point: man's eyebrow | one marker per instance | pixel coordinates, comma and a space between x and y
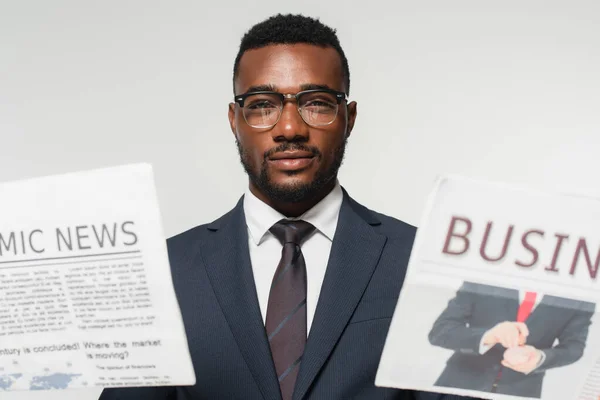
313, 86
273, 88
261, 88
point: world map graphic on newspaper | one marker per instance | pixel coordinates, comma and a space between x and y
49, 381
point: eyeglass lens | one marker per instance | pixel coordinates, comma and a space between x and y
316, 108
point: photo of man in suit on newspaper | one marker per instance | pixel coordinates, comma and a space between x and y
504, 340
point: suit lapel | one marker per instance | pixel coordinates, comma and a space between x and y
229, 269
354, 255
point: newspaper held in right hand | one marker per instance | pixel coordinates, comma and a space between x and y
499, 299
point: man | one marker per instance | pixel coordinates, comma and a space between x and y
290, 294
505, 339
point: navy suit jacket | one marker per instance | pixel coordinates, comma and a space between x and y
477, 308
215, 287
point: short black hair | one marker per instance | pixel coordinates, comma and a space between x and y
292, 29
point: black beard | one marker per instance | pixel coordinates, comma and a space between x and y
298, 192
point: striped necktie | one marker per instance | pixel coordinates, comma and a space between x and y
286, 310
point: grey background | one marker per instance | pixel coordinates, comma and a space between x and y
503, 90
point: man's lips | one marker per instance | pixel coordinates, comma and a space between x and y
291, 160
285, 155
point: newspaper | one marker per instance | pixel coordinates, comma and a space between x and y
86, 297
499, 300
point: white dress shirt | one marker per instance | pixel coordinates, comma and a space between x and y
265, 249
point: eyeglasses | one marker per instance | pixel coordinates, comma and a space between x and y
317, 107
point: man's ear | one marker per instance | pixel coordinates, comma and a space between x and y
351, 109
231, 115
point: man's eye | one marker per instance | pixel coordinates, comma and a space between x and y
261, 104
319, 104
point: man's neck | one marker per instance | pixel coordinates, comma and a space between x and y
295, 209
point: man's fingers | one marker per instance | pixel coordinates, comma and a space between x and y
522, 328
513, 336
505, 340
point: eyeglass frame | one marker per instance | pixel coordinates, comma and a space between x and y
340, 96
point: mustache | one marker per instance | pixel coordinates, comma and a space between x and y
291, 147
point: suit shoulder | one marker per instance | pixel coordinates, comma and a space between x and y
185, 245
187, 235
579, 306
187, 240
395, 225
386, 224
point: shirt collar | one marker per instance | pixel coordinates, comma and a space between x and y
323, 216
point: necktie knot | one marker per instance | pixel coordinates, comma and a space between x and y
288, 231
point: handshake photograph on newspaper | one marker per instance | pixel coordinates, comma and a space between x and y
506, 337
501, 293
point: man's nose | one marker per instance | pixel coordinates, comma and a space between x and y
291, 126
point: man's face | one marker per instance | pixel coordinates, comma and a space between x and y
292, 161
